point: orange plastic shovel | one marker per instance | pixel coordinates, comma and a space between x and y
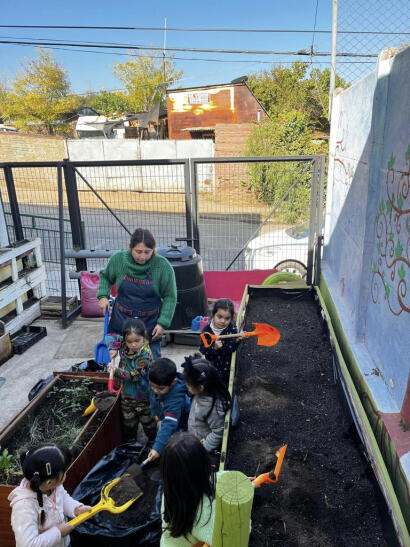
272, 476
266, 334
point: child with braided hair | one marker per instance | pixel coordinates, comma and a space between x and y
40, 503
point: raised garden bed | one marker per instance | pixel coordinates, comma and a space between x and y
55, 415
287, 394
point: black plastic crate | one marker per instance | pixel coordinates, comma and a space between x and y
26, 337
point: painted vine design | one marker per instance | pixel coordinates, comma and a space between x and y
392, 266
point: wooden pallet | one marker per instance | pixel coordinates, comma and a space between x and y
22, 285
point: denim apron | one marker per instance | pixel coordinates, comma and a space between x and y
135, 298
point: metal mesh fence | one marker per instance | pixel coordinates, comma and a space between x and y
365, 28
232, 211
149, 196
37, 197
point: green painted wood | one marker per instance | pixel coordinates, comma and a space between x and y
350, 371
233, 507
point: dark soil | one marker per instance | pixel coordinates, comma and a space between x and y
287, 394
141, 510
58, 418
104, 400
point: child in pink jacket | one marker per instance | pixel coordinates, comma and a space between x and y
40, 503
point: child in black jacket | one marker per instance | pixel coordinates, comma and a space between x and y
220, 352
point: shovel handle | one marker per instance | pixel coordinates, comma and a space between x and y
106, 321
208, 338
100, 506
111, 382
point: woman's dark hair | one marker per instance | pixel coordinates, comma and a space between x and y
162, 372
141, 235
224, 304
133, 326
187, 477
44, 462
199, 372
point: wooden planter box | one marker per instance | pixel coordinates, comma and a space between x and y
296, 393
105, 438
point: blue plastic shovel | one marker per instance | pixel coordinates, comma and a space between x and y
101, 353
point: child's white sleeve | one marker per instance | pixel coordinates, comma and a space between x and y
69, 503
24, 521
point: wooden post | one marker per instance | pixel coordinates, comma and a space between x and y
233, 506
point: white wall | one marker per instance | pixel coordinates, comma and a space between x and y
140, 178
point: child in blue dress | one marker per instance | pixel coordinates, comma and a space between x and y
133, 376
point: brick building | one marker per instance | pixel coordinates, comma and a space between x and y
195, 112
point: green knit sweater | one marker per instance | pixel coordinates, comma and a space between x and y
163, 280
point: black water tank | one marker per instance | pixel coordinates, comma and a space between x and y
191, 295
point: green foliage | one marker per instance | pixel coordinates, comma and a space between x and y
146, 80
110, 104
283, 89
5, 460
286, 134
40, 93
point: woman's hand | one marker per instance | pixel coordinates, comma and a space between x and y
157, 332
104, 304
113, 353
242, 335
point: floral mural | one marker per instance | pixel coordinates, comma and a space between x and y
391, 270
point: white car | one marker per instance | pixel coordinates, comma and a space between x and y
285, 250
4, 128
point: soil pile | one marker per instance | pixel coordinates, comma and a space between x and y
287, 394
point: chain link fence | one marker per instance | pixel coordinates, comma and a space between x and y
365, 28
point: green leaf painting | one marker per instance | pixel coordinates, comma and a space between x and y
390, 164
374, 267
381, 207
391, 236
408, 224
379, 248
402, 271
388, 207
399, 249
400, 202
387, 290
408, 152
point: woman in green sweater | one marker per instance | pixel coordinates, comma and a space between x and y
146, 288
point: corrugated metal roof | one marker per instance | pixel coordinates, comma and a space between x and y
199, 128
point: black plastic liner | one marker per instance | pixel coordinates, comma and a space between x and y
102, 531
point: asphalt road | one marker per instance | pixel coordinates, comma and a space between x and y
221, 235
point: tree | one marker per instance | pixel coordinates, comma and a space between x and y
146, 78
40, 93
283, 89
286, 134
110, 103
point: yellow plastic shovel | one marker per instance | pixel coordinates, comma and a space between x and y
106, 503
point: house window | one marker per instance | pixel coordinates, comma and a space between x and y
198, 98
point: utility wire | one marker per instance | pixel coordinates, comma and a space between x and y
181, 29
190, 58
195, 50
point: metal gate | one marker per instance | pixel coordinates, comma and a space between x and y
239, 213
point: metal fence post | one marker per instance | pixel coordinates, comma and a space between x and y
194, 193
14, 206
313, 228
74, 212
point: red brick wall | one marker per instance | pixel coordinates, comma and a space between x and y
30, 147
230, 139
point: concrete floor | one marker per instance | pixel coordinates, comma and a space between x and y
58, 351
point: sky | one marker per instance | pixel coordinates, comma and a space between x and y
93, 71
